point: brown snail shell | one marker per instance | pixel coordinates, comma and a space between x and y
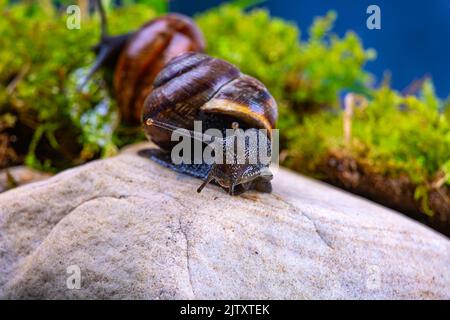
194, 86
145, 54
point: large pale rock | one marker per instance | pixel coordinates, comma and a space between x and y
137, 230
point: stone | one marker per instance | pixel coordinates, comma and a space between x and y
125, 227
18, 176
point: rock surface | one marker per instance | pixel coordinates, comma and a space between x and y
18, 176
137, 230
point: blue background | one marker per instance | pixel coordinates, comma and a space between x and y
414, 40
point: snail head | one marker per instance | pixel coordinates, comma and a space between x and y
246, 157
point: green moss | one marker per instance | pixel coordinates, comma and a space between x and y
393, 135
38, 57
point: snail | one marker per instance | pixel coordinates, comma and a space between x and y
137, 57
161, 78
196, 87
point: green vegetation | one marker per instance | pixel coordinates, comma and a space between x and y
391, 135
43, 121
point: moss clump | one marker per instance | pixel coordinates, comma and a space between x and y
42, 120
392, 136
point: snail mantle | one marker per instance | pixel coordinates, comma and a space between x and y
126, 227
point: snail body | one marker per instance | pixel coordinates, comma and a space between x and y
136, 58
160, 78
196, 87
146, 52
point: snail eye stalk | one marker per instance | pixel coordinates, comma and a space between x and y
208, 179
182, 131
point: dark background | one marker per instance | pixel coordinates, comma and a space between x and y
414, 40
